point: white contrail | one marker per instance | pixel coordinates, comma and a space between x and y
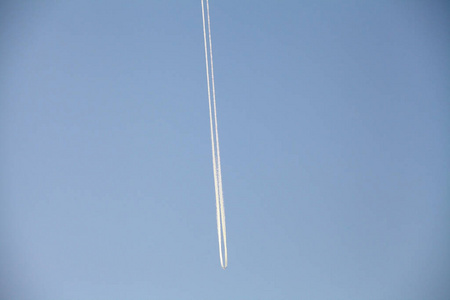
220, 208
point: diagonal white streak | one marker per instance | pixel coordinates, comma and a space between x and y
220, 208
212, 138
219, 170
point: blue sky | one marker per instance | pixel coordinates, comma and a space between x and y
334, 133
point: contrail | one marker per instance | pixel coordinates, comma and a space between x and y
220, 208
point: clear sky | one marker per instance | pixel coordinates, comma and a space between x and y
334, 122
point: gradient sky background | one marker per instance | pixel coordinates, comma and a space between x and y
334, 121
